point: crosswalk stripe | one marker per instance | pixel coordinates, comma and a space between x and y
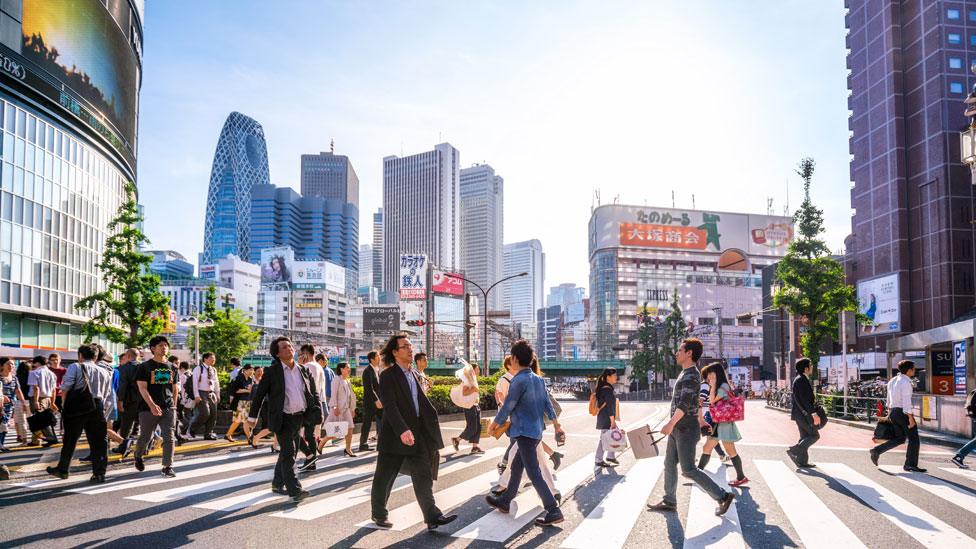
42, 484
927, 529
347, 499
971, 475
816, 525
407, 516
142, 481
935, 486
704, 529
498, 526
605, 526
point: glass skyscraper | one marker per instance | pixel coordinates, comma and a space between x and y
331, 176
240, 163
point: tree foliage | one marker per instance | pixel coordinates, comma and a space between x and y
659, 340
230, 336
677, 330
131, 309
210, 303
812, 285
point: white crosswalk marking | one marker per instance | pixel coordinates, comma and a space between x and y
949, 492
181, 475
816, 525
927, 529
606, 525
410, 515
970, 474
321, 508
704, 529
498, 526
236, 503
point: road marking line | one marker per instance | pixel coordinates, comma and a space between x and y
498, 526
846, 448
927, 529
704, 529
816, 525
971, 475
935, 486
195, 473
605, 525
406, 516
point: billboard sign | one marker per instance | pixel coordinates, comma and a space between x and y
879, 300
381, 320
413, 276
277, 265
574, 312
318, 275
444, 282
210, 272
959, 366
943, 382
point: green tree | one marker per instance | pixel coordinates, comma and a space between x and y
676, 330
210, 302
131, 309
650, 338
812, 285
230, 336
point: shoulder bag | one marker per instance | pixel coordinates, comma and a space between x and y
80, 400
730, 408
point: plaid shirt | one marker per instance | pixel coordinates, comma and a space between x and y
686, 397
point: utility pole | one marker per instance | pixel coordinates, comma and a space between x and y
721, 347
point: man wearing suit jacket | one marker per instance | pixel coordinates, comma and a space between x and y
409, 436
129, 398
372, 407
804, 414
291, 397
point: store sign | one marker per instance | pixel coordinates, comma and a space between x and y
444, 282
209, 272
662, 236
943, 375
413, 276
381, 320
959, 361
880, 300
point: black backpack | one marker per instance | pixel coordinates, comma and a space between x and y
971, 405
188, 385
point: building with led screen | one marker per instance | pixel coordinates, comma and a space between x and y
70, 73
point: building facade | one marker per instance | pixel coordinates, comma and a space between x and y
240, 163
421, 210
524, 295
188, 297
66, 159
482, 229
641, 256
548, 332
168, 264
330, 176
377, 264
315, 228
912, 236
243, 278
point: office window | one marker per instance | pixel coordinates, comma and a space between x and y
955, 38
972, 15
972, 40
955, 87
955, 63
952, 13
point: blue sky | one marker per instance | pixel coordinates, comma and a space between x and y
714, 99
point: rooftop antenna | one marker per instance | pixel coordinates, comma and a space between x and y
692, 201
332, 145
672, 198
769, 206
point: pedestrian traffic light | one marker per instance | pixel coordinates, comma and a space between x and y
415, 323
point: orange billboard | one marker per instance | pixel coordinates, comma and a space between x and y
662, 236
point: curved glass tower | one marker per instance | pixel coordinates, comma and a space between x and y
240, 163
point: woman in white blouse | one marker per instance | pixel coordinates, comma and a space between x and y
343, 402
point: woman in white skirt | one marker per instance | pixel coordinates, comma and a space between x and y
343, 403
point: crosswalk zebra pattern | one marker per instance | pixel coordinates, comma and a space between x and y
240, 481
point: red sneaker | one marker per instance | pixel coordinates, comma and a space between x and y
739, 482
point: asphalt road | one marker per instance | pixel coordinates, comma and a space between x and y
220, 498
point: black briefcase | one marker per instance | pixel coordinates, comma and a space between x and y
885, 430
822, 414
41, 421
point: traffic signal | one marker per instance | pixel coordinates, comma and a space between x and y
415, 323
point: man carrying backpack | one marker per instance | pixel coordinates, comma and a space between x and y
960, 458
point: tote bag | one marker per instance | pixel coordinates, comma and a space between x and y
614, 440
730, 408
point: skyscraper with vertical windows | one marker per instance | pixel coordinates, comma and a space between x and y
240, 162
378, 249
523, 296
421, 210
331, 176
912, 198
482, 228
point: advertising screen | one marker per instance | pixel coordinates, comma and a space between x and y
277, 265
77, 55
318, 275
444, 282
381, 320
413, 276
879, 300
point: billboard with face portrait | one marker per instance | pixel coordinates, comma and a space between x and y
277, 265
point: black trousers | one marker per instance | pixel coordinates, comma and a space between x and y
204, 414
95, 428
900, 419
284, 473
808, 436
472, 425
307, 442
419, 466
369, 412
128, 420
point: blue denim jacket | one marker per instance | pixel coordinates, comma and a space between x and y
526, 404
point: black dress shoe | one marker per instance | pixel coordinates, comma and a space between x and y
793, 457
54, 471
300, 495
914, 469
97, 479
724, 504
382, 523
662, 506
496, 502
808, 465
279, 490
440, 521
874, 457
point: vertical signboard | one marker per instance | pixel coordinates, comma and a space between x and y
879, 300
413, 276
943, 375
959, 361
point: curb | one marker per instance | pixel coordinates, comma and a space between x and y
935, 440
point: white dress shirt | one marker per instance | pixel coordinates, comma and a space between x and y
900, 393
43, 381
205, 379
294, 389
318, 376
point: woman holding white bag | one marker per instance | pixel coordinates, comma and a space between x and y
472, 411
607, 416
343, 403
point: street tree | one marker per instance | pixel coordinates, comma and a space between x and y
230, 336
650, 338
130, 309
210, 303
676, 330
812, 285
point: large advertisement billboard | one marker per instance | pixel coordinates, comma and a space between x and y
381, 320
318, 275
443, 282
77, 55
277, 265
413, 276
880, 300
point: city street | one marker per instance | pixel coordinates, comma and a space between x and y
221, 498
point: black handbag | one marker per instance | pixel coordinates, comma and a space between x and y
41, 420
822, 414
80, 401
885, 430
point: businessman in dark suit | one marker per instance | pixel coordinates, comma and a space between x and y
128, 400
409, 436
372, 407
804, 414
289, 392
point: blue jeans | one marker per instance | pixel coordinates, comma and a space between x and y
968, 447
681, 453
527, 459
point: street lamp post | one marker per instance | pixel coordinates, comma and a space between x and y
194, 322
484, 295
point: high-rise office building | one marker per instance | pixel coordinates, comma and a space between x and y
69, 133
378, 250
168, 264
330, 176
421, 210
365, 265
482, 228
912, 233
565, 295
315, 228
240, 163
524, 295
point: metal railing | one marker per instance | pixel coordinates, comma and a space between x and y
859, 408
